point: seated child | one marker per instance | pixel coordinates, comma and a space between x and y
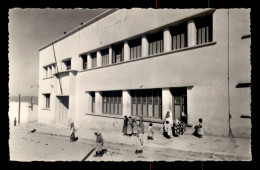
199, 131
73, 138
138, 144
150, 132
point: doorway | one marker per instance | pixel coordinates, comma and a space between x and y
62, 109
179, 103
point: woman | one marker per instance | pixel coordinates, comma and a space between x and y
125, 126
129, 127
168, 118
135, 128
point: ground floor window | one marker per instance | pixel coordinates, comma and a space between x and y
92, 95
147, 103
47, 100
112, 102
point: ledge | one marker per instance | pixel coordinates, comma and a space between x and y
121, 117
46, 109
66, 71
246, 116
48, 78
155, 55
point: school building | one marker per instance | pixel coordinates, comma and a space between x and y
145, 61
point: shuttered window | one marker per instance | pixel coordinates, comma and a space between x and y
204, 29
84, 61
135, 48
147, 103
179, 37
155, 43
112, 102
105, 57
118, 53
93, 59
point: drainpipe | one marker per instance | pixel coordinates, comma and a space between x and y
19, 108
56, 66
229, 115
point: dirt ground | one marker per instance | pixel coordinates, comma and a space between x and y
27, 146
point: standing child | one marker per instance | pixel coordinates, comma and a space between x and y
135, 128
125, 126
138, 144
73, 137
168, 129
129, 127
99, 143
150, 132
15, 121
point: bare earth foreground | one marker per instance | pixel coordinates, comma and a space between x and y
27, 146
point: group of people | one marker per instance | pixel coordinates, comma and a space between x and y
132, 127
173, 128
136, 128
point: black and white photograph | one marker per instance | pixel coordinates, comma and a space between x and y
137, 84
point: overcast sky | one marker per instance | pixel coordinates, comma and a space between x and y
31, 29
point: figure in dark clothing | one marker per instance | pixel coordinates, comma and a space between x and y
73, 137
125, 126
199, 131
15, 121
99, 144
129, 127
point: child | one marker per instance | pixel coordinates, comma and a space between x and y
168, 129
73, 138
15, 121
199, 131
138, 144
125, 126
135, 128
99, 143
129, 126
150, 132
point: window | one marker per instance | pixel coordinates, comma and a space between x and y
204, 29
179, 37
93, 59
135, 48
67, 64
50, 71
118, 53
46, 71
147, 103
47, 100
84, 61
92, 95
155, 43
112, 102
105, 57
53, 69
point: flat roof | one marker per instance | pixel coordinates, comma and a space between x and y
95, 19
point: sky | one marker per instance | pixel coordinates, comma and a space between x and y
31, 29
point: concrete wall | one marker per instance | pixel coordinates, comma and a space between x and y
204, 68
26, 114
240, 69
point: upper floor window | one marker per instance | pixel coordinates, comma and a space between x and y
204, 29
179, 36
49, 70
67, 64
155, 43
105, 57
118, 53
84, 61
135, 48
93, 59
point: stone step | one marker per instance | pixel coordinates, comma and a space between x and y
189, 130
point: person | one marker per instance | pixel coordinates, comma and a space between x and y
150, 132
73, 137
183, 117
15, 121
168, 129
177, 127
135, 128
168, 117
125, 126
199, 131
129, 127
141, 127
138, 144
99, 143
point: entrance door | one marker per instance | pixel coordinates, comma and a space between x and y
179, 98
63, 109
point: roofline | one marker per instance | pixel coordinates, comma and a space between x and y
95, 19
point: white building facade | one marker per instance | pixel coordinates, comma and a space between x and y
144, 62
